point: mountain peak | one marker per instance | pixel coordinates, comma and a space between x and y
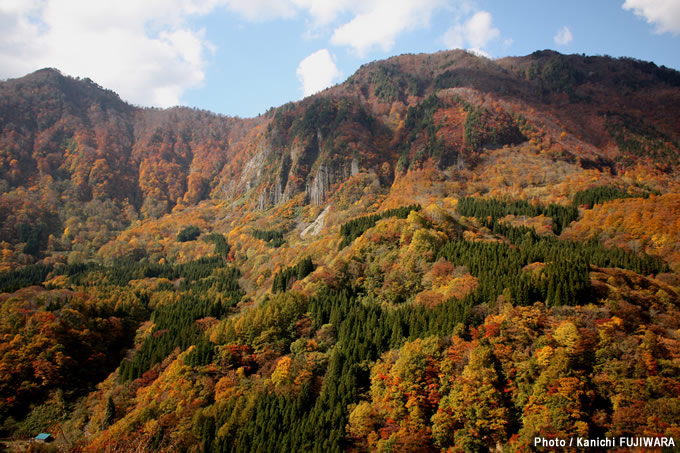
46, 72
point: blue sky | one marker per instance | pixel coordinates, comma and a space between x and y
240, 57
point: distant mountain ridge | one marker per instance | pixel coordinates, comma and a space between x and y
76, 142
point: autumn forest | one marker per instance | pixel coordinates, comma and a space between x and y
442, 253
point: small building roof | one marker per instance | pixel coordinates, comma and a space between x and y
43, 436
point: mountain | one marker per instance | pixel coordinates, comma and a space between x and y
444, 251
80, 144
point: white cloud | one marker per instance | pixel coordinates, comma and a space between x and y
479, 31
261, 10
664, 13
377, 23
478, 52
454, 37
148, 53
476, 32
325, 12
563, 36
317, 72
142, 50
363, 25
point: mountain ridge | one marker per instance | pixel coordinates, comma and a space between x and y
442, 252
383, 120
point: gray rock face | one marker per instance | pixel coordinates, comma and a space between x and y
282, 180
263, 202
295, 166
354, 168
315, 227
278, 195
460, 163
273, 195
252, 171
318, 189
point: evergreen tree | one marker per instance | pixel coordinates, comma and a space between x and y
109, 412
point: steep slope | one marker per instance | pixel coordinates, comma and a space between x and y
443, 251
69, 146
73, 154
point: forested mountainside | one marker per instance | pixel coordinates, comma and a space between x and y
444, 252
